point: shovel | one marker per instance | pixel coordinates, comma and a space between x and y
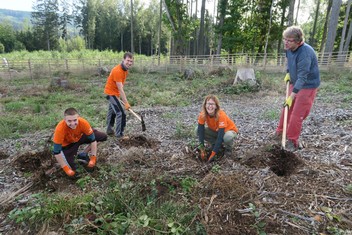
283, 142
139, 117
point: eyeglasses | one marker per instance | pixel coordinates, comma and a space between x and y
288, 40
210, 104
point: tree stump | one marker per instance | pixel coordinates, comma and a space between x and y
245, 74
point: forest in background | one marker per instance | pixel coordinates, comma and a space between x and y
175, 27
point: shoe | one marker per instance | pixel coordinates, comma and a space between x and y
83, 158
109, 131
290, 146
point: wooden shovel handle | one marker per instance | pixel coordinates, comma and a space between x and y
131, 111
284, 130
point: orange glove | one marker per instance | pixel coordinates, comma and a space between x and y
127, 106
68, 171
92, 161
203, 153
211, 157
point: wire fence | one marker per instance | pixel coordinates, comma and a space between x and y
37, 68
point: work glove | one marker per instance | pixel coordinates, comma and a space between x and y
211, 157
127, 106
68, 171
287, 78
92, 161
288, 102
202, 152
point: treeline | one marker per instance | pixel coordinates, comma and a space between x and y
178, 27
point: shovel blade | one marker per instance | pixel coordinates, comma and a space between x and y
143, 124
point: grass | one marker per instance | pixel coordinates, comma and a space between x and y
38, 106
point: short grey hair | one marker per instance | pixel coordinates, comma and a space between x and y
294, 32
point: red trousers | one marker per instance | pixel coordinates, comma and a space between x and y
299, 111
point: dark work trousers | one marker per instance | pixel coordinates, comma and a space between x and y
116, 113
70, 151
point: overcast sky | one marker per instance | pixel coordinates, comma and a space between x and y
26, 5
20, 5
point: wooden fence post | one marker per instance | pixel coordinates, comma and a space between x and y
66, 64
30, 68
49, 68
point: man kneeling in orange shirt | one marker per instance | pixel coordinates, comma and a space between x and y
70, 133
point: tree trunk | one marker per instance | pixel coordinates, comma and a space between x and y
132, 46
348, 38
159, 31
312, 36
291, 10
325, 28
335, 10
268, 33
201, 30
299, 2
279, 43
222, 10
345, 26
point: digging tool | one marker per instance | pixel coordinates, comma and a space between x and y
139, 117
283, 142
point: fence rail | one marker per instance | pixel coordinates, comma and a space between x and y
35, 68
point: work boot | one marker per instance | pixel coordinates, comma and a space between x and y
109, 131
83, 158
290, 146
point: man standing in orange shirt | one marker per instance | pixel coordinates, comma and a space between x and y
70, 133
114, 91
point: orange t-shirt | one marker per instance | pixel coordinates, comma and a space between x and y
64, 135
223, 122
117, 74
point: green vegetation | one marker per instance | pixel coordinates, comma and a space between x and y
114, 207
259, 223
